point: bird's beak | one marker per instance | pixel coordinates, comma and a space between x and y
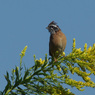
46, 27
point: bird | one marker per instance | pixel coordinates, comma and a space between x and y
57, 42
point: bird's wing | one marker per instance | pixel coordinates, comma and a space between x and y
50, 53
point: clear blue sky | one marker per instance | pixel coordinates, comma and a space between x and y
24, 22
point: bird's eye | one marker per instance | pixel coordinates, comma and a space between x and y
51, 27
54, 27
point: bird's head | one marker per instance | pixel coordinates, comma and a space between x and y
53, 27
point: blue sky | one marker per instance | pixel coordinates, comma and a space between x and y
24, 22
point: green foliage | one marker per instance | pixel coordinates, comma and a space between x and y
41, 78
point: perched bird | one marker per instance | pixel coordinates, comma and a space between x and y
57, 41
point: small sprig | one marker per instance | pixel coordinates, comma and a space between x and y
23, 51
